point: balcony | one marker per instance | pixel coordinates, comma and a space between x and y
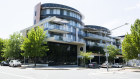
97, 37
91, 43
97, 44
56, 39
61, 39
58, 29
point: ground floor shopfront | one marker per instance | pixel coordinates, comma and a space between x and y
66, 54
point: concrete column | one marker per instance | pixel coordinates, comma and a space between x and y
77, 34
78, 50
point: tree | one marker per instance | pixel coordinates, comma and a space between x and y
35, 45
113, 51
86, 56
1, 44
95, 49
1, 47
11, 48
131, 42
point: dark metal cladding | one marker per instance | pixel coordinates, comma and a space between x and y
53, 5
57, 5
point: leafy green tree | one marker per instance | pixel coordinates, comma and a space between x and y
11, 48
86, 56
1, 44
1, 47
131, 42
95, 49
113, 51
35, 45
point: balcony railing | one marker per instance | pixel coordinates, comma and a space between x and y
94, 36
97, 44
63, 39
60, 28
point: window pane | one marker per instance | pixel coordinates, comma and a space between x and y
54, 11
58, 11
47, 11
65, 12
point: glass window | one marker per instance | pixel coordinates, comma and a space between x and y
34, 21
74, 15
69, 28
35, 13
47, 11
71, 14
74, 38
78, 24
51, 11
43, 12
74, 23
65, 12
74, 30
70, 22
71, 37
56, 11
68, 13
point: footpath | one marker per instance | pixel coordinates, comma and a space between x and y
68, 67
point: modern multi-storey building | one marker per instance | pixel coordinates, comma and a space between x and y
66, 34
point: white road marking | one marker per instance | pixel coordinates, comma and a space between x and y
17, 75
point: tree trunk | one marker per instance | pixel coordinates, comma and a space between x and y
35, 61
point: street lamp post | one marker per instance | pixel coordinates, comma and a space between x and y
99, 58
107, 54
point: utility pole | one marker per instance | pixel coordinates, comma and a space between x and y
99, 58
107, 54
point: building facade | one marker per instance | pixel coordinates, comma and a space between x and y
66, 34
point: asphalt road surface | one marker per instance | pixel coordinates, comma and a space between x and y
30, 73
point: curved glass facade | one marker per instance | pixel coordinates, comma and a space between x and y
74, 18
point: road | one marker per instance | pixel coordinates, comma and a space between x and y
30, 73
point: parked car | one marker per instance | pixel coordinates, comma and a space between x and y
117, 65
14, 63
104, 65
4, 63
93, 65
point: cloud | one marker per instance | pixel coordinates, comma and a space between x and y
133, 7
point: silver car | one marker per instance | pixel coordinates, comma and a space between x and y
117, 65
14, 63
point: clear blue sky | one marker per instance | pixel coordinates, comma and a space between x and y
16, 15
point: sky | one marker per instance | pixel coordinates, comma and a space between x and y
16, 15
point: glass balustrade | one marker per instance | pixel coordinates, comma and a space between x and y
98, 37
63, 28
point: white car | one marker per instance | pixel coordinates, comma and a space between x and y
104, 65
14, 63
117, 65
